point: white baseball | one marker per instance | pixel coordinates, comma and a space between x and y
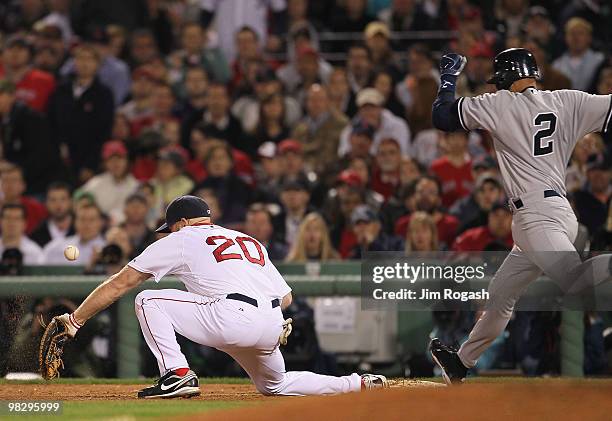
71, 253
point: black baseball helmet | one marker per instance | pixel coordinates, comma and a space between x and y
511, 65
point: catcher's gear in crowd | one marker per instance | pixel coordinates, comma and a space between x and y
452, 64
511, 65
287, 328
57, 333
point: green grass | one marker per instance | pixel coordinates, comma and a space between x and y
203, 380
132, 410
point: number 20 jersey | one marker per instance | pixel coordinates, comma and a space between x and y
214, 261
534, 132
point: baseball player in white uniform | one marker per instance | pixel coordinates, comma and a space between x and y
233, 303
534, 134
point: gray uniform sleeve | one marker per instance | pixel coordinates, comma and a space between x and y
480, 112
593, 113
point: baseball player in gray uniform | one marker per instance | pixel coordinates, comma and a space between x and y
534, 133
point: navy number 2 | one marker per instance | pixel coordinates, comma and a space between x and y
545, 147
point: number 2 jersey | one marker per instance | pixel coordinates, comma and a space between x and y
214, 261
534, 132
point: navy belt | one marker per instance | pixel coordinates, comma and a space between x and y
252, 301
547, 193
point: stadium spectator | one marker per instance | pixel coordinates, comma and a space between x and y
383, 82
361, 140
13, 187
81, 113
248, 56
253, 15
350, 16
88, 224
472, 211
233, 194
319, 131
13, 224
111, 188
25, 141
163, 111
422, 234
247, 106
510, 15
378, 39
386, 168
271, 125
385, 123
141, 94
170, 181
454, 168
49, 49
218, 119
291, 154
307, 69
193, 103
427, 198
539, 28
477, 71
580, 63
201, 142
550, 78
59, 224
269, 176
359, 67
345, 198
369, 235
576, 176
496, 235
258, 224
142, 48
32, 86
135, 222
593, 199
294, 198
313, 242
341, 97
195, 52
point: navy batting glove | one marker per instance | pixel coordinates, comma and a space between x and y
452, 64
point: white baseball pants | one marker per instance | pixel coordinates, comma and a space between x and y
247, 333
543, 231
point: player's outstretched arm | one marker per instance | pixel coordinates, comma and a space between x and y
445, 114
107, 293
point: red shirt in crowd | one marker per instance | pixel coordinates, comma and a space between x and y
447, 228
36, 213
348, 241
384, 184
34, 88
476, 239
457, 182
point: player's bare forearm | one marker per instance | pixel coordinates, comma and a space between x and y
108, 292
287, 300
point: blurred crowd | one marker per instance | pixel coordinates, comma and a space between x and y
306, 124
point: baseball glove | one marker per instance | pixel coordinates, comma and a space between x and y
57, 333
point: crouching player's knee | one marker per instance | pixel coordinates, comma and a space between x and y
269, 387
141, 297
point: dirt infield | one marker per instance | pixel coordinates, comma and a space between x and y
81, 392
540, 400
522, 399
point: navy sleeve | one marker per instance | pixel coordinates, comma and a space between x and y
445, 110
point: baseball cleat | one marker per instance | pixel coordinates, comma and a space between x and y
453, 370
171, 385
373, 381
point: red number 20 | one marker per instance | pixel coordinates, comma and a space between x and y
220, 256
